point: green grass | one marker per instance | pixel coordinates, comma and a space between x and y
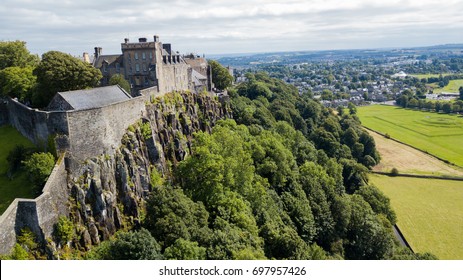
438, 134
453, 86
429, 213
425, 76
19, 186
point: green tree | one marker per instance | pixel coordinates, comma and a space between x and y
59, 72
220, 75
137, 245
447, 107
352, 108
327, 95
16, 54
378, 202
39, 167
461, 93
369, 237
185, 250
17, 82
118, 79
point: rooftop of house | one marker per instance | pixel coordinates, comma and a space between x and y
88, 98
110, 59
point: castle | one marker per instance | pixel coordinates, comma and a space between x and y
147, 64
88, 123
152, 69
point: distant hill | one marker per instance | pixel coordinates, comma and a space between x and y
252, 59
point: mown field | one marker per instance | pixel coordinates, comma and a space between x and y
453, 86
408, 160
19, 186
438, 134
425, 76
429, 212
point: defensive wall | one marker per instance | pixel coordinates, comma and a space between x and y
79, 135
99, 131
102, 127
36, 125
40, 214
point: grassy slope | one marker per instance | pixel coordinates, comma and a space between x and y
438, 134
20, 186
421, 76
453, 86
430, 213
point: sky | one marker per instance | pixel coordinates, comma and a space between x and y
230, 26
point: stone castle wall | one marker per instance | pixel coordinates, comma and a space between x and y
175, 77
34, 124
102, 127
40, 214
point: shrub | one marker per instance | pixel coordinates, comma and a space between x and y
146, 131
394, 172
64, 230
39, 166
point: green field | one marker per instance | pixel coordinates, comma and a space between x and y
453, 86
429, 213
425, 76
438, 134
19, 186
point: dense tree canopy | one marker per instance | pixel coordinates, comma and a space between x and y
220, 75
58, 72
17, 82
16, 54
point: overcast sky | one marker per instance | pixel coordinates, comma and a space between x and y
231, 26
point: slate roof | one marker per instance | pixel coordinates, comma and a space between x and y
110, 59
88, 98
198, 78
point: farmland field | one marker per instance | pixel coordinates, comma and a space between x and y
409, 160
425, 76
438, 134
453, 86
429, 213
19, 187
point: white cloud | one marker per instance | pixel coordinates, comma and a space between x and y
231, 26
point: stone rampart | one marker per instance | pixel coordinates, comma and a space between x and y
40, 214
99, 131
34, 124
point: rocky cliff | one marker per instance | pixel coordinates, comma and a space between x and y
108, 192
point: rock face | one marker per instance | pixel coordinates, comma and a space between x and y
108, 192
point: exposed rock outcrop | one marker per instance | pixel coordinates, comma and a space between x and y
108, 192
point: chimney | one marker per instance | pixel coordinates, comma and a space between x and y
142, 40
156, 38
167, 47
86, 57
126, 40
97, 52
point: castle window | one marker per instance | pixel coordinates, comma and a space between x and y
144, 67
151, 55
136, 56
137, 67
118, 67
143, 56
